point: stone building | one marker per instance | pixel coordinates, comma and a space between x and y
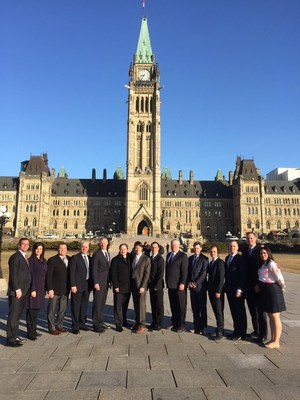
147, 201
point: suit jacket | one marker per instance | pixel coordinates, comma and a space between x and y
57, 276
19, 274
142, 272
216, 276
156, 280
197, 272
77, 271
176, 270
235, 274
253, 264
120, 273
100, 268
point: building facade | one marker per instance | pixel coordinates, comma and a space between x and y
147, 201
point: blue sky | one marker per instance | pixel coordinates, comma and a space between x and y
230, 70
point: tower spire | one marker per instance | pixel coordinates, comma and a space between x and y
144, 50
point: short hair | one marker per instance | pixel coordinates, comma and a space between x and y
123, 244
21, 240
138, 243
155, 243
61, 244
175, 240
250, 232
211, 247
103, 237
197, 244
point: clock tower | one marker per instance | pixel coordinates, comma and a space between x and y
143, 141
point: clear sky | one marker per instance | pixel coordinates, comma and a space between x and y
230, 70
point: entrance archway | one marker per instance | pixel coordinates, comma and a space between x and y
143, 228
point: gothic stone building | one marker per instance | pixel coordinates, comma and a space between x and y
147, 201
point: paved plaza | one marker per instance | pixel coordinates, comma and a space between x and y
154, 365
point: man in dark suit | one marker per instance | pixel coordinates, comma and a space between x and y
156, 287
197, 285
235, 277
140, 272
100, 274
58, 290
176, 280
215, 285
80, 282
120, 273
18, 289
258, 317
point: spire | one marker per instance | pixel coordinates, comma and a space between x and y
144, 51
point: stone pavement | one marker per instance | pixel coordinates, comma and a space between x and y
155, 365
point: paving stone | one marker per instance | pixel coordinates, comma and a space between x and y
125, 338
150, 379
180, 348
102, 379
97, 339
230, 393
161, 362
149, 349
160, 337
178, 394
6, 352
125, 394
127, 363
71, 350
244, 377
283, 361
220, 348
86, 364
250, 361
106, 350
73, 395
32, 351
11, 365
252, 348
41, 364
213, 361
62, 380
28, 395
283, 377
196, 378
15, 382
278, 393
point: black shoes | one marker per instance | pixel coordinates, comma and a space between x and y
14, 343
75, 331
119, 329
84, 328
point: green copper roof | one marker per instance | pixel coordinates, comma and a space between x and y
62, 173
219, 176
144, 50
119, 173
166, 174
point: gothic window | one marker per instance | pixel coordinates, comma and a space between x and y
142, 105
26, 222
53, 213
248, 224
151, 104
74, 213
268, 226
55, 225
198, 226
297, 224
178, 226
257, 224
168, 226
148, 127
65, 225
27, 208
144, 193
137, 104
34, 223
75, 225
147, 104
289, 212
278, 225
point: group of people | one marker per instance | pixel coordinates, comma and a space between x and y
253, 276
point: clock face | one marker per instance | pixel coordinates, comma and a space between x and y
144, 75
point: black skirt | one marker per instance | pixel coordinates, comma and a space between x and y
272, 298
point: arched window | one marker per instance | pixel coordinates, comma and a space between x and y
257, 224
278, 225
137, 104
65, 225
55, 224
249, 224
26, 222
268, 226
147, 104
297, 224
198, 226
142, 105
143, 192
34, 222
178, 226
168, 226
75, 225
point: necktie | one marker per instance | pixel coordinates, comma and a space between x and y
171, 257
249, 251
87, 266
230, 259
106, 255
65, 260
195, 260
26, 258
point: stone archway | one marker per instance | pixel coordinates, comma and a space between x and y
143, 228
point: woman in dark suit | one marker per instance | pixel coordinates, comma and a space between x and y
38, 269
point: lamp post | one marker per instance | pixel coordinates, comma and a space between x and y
4, 217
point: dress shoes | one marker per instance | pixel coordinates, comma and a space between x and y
152, 326
75, 331
157, 328
54, 332
84, 328
135, 327
218, 337
38, 334
238, 337
254, 335
31, 338
105, 326
61, 330
119, 329
20, 340
141, 329
15, 343
101, 329
179, 329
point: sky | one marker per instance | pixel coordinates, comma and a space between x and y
230, 70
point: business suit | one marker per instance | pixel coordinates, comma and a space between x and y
176, 274
100, 273
235, 277
156, 286
197, 275
19, 278
140, 273
57, 280
120, 277
215, 284
258, 317
79, 278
